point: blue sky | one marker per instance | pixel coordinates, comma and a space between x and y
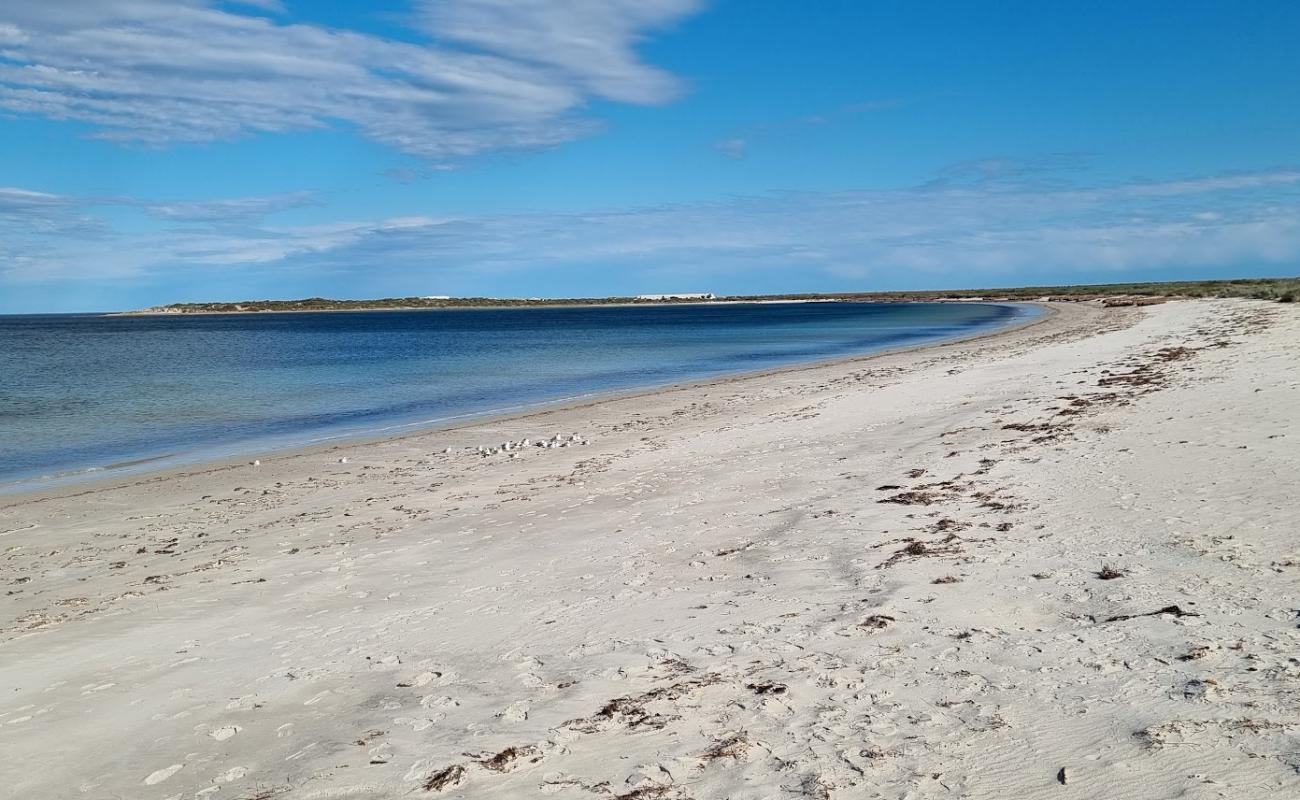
173, 150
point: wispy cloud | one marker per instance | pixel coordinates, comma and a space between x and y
243, 209
26, 215
735, 145
274, 6
732, 148
14, 200
992, 169
954, 234
481, 75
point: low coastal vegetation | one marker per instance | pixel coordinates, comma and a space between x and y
1284, 290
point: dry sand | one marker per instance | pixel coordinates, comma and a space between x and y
880, 578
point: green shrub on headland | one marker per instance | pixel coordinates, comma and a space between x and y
1282, 290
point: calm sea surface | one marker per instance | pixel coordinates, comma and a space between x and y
83, 393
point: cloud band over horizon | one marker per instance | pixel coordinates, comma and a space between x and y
963, 234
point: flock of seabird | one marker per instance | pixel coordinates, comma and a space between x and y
557, 440
511, 447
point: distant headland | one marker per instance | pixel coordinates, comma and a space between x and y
1285, 290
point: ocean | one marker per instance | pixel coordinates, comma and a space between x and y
82, 394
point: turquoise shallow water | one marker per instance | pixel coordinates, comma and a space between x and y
84, 393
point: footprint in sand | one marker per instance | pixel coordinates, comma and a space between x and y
284, 730
438, 701
232, 774
420, 723
530, 663
225, 732
158, 776
516, 711
425, 678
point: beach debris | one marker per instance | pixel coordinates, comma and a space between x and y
1061, 776
1198, 652
911, 498
766, 688
1171, 610
1173, 353
505, 760
257, 463
876, 622
947, 524
343, 460
1031, 427
915, 548
732, 747
631, 711
653, 791
946, 579
368, 737
1200, 690
445, 778
1109, 573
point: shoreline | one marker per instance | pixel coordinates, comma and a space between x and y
1055, 562
96, 479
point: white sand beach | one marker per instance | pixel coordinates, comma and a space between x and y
1059, 562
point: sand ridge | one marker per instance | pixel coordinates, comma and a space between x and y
1060, 562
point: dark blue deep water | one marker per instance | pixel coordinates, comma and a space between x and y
87, 392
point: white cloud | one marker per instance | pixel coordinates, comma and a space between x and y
486, 76
11, 35
994, 232
589, 42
